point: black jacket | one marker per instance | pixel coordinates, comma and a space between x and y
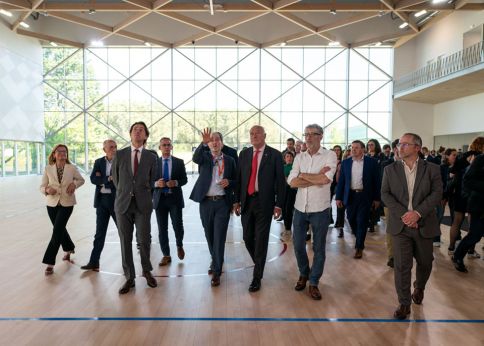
474, 186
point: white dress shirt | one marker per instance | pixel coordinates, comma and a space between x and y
314, 198
108, 173
357, 174
217, 176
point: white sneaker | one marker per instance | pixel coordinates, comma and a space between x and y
436, 243
473, 255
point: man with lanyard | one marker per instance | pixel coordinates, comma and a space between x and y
213, 190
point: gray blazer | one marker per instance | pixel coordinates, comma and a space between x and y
427, 194
140, 187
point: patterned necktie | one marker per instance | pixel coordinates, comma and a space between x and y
166, 175
253, 173
135, 163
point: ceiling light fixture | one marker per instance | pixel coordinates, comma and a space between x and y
53, 44
438, 1
333, 11
420, 13
283, 44
403, 25
91, 11
381, 13
378, 44
6, 13
147, 44
24, 25
97, 43
333, 43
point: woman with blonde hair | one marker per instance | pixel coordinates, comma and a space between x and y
59, 182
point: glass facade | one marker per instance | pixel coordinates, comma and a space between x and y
97, 93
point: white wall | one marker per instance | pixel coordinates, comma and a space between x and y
464, 115
413, 117
443, 38
21, 89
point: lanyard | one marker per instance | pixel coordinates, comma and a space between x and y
220, 168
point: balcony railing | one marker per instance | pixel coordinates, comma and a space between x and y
471, 56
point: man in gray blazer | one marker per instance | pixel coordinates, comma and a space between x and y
134, 175
411, 189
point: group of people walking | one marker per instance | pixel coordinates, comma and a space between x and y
261, 185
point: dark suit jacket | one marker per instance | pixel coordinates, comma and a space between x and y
179, 174
100, 167
272, 183
127, 185
232, 153
474, 186
371, 180
203, 157
427, 194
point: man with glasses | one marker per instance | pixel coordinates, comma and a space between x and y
411, 189
103, 201
168, 199
312, 174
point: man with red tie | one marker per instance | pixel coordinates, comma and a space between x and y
259, 196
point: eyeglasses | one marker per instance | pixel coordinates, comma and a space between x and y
404, 145
311, 134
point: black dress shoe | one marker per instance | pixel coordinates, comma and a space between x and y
402, 312
308, 236
301, 283
90, 266
459, 265
418, 296
128, 285
341, 233
150, 280
215, 280
391, 263
210, 269
255, 285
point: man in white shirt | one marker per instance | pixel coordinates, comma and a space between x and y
312, 174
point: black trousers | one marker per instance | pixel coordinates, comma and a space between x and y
167, 206
256, 228
59, 216
476, 232
288, 210
104, 212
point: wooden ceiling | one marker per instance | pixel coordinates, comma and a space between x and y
256, 23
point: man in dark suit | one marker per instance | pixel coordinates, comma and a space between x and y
358, 190
259, 195
168, 199
103, 201
134, 175
411, 189
226, 150
213, 190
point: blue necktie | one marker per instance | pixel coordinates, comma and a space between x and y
166, 175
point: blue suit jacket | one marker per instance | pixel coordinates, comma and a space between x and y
371, 180
100, 167
203, 157
178, 173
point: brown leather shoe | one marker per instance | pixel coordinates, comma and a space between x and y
150, 280
301, 283
49, 271
418, 296
67, 256
215, 280
180, 252
128, 285
314, 292
402, 312
164, 261
358, 254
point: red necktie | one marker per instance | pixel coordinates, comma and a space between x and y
135, 163
253, 173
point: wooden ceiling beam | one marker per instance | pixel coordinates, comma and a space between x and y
144, 39
460, 3
381, 38
266, 4
192, 39
22, 17
346, 21
187, 20
424, 27
403, 16
408, 3
81, 21
279, 5
287, 39
20, 4
239, 21
144, 4
125, 23
50, 38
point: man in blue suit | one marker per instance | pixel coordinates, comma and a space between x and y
168, 199
213, 190
103, 201
358, 189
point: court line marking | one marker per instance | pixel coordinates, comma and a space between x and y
239, 319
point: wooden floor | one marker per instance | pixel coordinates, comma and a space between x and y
358, 295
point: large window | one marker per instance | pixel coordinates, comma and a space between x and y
96, 93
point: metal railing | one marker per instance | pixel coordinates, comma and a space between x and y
448, 65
